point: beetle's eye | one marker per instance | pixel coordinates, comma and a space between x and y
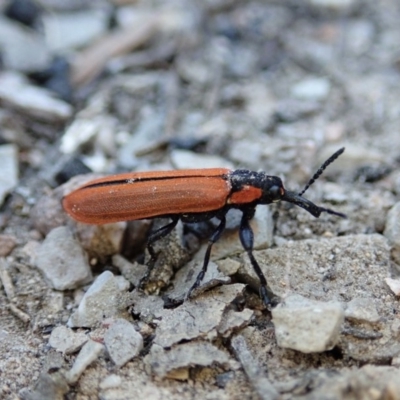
275, 192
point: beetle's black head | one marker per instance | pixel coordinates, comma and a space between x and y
273, 191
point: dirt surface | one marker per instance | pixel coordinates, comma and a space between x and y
277, 86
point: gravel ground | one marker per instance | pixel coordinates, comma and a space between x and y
89, 89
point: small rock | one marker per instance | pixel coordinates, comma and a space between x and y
253, 370
62, 260
185, 278
185, 159
66, 340
22, 49
222, 380
307, 325
47, 214
65, 31
104, 299
30, 250
334, 193
392, 231
8, 168
146, 134
312, 89
197, 318
234, 320
194, 70
133, 272
335, 131
147, 306
362, 309
260, 106
360, 34
123, 342
246, 152
6, 281
101, 241
31, 100
111, 381
164, 362
338, 5
89, 353
47, 387
228, 266
7, 244
394, 285
291, 110
55, 303
85, 129
395, 329
243, 62
395, 361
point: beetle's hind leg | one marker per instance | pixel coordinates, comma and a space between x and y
154, 236
214, 238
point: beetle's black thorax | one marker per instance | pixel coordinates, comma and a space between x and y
271, 186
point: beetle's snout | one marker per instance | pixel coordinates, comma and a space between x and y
302, 202
308, 205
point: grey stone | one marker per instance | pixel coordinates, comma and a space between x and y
196, 318
234, 320
122, 341
325, 269
23, 49
147, 306
184, 159
66, 340
105, 298
392, 231
306, 325
253, 370
394, 285
164, 362
89, 353
111, 381
362, 309
8, 169
31, 100
133, 272
62, 260
67, 30
185, 278
312, 89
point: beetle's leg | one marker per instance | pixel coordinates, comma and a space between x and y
214, 237
247, 238
154, 236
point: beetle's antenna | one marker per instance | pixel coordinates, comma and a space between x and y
321, 169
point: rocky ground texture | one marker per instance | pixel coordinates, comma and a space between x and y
89, 88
